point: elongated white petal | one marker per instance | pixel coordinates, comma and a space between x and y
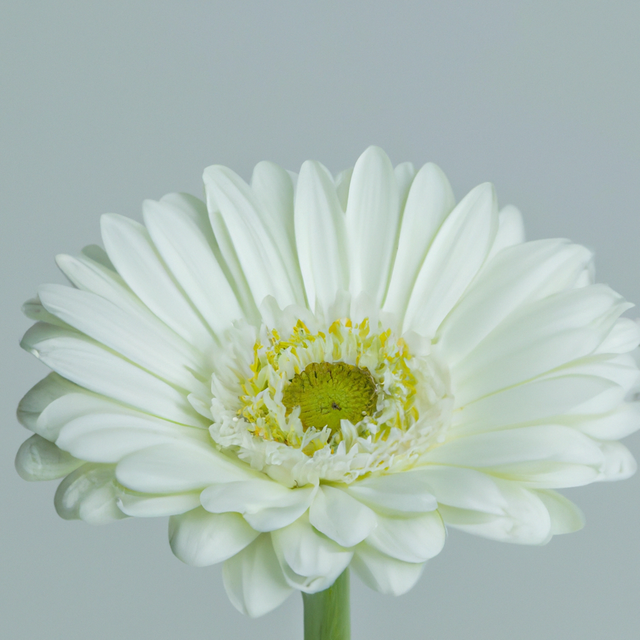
39, 397
384, 573
200, 538
395, 494
520, 274
565, 516
620, 369
464, 488
429, 201
411, 539
538, 338
372, 217
34, 310
94, 277
261, 258
265, 504
145, 505
109, 437
113, 327
188, 255
89, 494
524, 519
454, 258
553, 443
405, 172
624, 337
320, 235
39, 459
343, 182
618, 464
534, 401
76, 403
310, 561
197, 212
510, 230
273, 188
137, 261
98, 369
254, 580
341, 517
179, 467
619, 423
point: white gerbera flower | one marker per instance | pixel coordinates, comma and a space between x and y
315, 376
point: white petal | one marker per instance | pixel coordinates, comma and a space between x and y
134, 255
621, 370
411, 539
39, 459
341, 517
383, 573
619, 423
310, 561
178, 467
265, 504
372, 217
320, 235
34, 310
39, 397
343, 182
97, 254
521, 274
405, 172
94, 277
454, 258
552, 443
566, 517
398, 493
89, 494
533, 401
273, 189
124, 333
538, 338
624, 337
429, 201
187, 254
98, 369
261, 258
144, 505
510, 230
619, 464
525, 519
197, 211
465, 489
254, 580
109, 437
201, 539
75, 404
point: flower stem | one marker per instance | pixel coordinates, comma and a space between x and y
326, 613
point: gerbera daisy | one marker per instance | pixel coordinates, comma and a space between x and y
309, 373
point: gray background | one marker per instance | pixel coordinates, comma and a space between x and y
107, 103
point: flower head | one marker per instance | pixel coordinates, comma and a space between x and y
308, 373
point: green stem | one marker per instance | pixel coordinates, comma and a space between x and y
326, 613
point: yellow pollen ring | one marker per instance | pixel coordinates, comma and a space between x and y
328, 392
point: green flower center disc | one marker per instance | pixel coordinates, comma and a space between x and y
328, 392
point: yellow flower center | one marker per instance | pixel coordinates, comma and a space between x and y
332, 402
328, 392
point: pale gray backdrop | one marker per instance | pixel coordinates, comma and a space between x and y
107, 103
